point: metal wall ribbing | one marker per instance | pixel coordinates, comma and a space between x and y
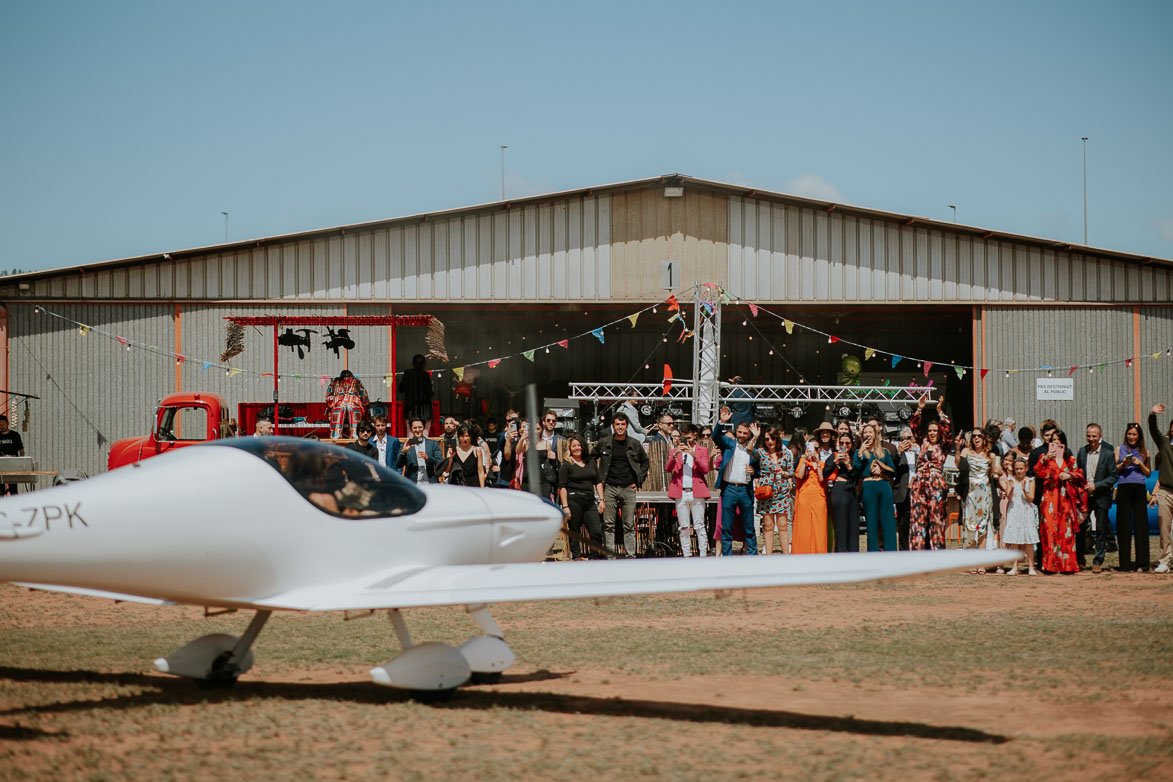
93, 391
1156, 378
1021, 337
786, 253
536, 252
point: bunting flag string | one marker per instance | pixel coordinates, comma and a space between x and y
870, 352
459, 372
673, 304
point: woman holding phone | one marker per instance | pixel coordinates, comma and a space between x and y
1132, 462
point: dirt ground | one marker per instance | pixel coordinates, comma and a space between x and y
986, 699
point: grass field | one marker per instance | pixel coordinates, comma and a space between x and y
949, 677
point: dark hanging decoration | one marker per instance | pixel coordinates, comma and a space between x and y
338, 339
24, 424
233, 342
435, 341
294, 342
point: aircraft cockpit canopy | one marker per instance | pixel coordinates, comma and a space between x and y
337, 480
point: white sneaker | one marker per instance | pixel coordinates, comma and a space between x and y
1161, 568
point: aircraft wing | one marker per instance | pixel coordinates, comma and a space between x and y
465, 584
155, 601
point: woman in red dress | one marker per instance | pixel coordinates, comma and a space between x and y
1063, 504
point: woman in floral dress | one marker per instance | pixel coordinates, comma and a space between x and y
926, 524
979, 501
777, 465
1063, 504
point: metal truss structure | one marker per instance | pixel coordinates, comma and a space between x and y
706, 353
683, 391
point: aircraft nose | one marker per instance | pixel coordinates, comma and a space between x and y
525, 525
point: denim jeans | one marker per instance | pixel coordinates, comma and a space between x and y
734, 495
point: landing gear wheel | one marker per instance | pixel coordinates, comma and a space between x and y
490, 677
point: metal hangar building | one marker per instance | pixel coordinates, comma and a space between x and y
519, 275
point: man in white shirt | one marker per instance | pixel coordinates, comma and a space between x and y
388, 447
739, 466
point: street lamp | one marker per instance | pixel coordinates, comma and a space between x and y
1084, 190
503, 148
954, 208
225, 227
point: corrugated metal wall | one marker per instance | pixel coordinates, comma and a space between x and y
1156, 375
1019, 337
648, 227
779, 252
558, 250
93, 391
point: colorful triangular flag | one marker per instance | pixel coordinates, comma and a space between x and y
1127, 363
529, 354
667, 379
122, 340
599, 335
459, 372
493, 362
960, 372
984, 373
564, 343
753, 308
674, 318
1072, 371
673, 304
868, 353
207, 366
896, 360
789, 326
928, 366
633, 318
234, 372
83, 329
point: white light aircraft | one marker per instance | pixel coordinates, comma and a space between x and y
272, 524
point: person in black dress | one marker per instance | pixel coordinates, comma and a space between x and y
465, 463
580, 490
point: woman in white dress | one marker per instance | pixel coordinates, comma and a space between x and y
1020, 525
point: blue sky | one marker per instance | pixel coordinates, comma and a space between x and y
128, 127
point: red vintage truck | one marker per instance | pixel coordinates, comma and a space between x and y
192, 417
181, 419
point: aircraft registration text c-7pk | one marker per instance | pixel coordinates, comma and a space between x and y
281, 523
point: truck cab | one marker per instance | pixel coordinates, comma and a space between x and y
181, 419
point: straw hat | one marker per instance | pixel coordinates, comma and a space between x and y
823, 427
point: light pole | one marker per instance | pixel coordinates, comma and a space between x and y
225, 227
954, 208
1084, 190
503, 148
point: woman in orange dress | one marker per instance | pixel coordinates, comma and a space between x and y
809, 528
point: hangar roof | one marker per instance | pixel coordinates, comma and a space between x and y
665, 180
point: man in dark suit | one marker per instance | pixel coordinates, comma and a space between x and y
739, 466
1097, 459
421, 457
905, 467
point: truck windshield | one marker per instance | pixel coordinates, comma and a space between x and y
337, 480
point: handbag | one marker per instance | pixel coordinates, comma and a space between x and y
763, 492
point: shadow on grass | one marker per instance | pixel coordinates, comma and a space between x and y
180, 692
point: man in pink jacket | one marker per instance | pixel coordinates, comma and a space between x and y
686, 466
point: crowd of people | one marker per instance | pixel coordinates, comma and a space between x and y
741, 482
